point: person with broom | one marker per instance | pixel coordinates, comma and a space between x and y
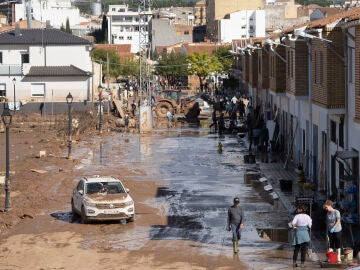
301, 225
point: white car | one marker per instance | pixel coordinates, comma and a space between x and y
102, 198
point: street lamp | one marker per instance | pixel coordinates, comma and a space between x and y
101, 97
69, 100
6, 118
14, 82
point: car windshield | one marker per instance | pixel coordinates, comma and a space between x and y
104, 187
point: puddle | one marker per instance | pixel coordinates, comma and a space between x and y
276, 235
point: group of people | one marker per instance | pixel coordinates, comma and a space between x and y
300, 225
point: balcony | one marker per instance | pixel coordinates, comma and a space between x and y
10, 70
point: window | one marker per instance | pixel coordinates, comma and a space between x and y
333, 131
113, 9
38, 90
129, 38
1, 57
2, 90
341, 133
121, 37
186, 33
25, 58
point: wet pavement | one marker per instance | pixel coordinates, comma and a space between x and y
196, 186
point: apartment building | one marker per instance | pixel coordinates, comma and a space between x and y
53, 11
218, 9
250, 23
125, 27
313, 72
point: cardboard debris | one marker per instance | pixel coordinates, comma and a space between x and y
38, 171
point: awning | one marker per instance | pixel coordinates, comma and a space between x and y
346, 154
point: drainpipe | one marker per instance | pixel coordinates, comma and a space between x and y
310, 107
346, 117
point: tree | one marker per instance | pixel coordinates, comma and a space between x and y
67, 27
130, 67
100, 55
202, 65
225, 58
172, 66
62, 28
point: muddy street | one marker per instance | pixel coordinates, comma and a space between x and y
182, 188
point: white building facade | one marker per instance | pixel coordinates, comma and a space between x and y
249, 23
40, 65
125, 27
55, 12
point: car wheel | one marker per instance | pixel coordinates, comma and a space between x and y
130, 220
73, 210
84, 219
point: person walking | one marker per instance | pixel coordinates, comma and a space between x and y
126, 122
333, 227
133, 108
214, 120
170, 117
301, 225
235, 222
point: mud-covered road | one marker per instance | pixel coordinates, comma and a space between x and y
182, 188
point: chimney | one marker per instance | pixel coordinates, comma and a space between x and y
17, 30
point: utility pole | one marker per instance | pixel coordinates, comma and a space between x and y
145, 118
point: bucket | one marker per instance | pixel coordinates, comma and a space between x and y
348, 254
332, 257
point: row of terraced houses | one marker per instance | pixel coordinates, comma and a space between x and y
307, 79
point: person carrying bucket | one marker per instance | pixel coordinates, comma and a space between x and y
235, 221
333, 227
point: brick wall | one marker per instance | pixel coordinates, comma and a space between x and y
277, 70
263, 70
246, 67
328, 70
357, 74
297, 68
253, 68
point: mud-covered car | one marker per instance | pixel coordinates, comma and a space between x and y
102, 198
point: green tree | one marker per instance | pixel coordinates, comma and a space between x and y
225, 58
202, 65
100, 56
130, 68
172, 66
67, 26
62, 28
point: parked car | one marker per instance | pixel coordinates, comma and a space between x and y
102, 198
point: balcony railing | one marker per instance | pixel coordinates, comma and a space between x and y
10, 70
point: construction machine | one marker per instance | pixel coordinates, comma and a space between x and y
172, 100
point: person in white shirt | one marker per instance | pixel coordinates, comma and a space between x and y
301, 224
234, 99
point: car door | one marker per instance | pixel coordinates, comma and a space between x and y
78, 198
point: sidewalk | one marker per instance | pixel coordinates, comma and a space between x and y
276, 171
